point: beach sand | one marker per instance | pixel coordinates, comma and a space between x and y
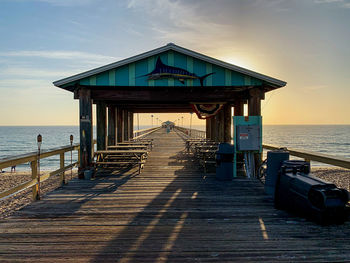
338, 176
9, 180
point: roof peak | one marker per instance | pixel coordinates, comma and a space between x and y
167, 47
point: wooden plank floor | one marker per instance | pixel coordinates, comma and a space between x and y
171, 212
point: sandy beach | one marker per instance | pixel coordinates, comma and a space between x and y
338, 176
9, 180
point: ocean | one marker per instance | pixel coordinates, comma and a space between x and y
327, 139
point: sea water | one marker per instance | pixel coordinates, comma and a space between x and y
327, 139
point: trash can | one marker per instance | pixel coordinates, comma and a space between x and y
274, 162
224, 162
298, 191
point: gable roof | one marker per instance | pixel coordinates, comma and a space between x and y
272, 81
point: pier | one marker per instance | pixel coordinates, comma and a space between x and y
164, 207
171, 212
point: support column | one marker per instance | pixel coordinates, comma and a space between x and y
85, 121
239, 111
112, 125
227, 123
220, 126
254, 102
254, 109
207, 128
125, 125
239, 108
213, 128
120, 128
101, 122
131, 125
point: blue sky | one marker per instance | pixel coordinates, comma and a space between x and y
303, 42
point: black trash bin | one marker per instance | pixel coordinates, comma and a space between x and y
274, 162
224, 162
298, 191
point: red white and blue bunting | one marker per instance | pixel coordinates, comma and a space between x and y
206, 110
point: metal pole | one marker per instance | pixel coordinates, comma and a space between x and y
71, 156
39, 141
152, 120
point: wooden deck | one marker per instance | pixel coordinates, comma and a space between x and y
171, 212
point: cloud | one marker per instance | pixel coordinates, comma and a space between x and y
55, 54
22, 72
189, 22
65, 3
23, 84
341, 3
327, 1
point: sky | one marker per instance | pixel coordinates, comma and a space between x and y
302, 42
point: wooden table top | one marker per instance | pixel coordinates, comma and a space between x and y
127, 147
121, 151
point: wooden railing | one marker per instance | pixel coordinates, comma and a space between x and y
141, 133
37, 178
191, 132
314, 156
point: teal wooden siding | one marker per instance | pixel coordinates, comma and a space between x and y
141, 69
102, 79
189, 62
122, 76
133, 74
164, 58
180, 61
219, 76
200, 69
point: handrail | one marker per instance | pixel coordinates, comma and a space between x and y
314, 156
28, 157
192, 132
141, 133
33, 159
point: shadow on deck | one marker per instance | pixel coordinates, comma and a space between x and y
171, 212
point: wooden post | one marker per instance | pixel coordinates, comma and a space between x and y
111, 125
213, 128
85, 112
227, 123
254, 102
254, 109
101, 125
35, 188
120, 129
239, 108
207, 128
131, 125
126, 125
62, 175
220, 126
239, 111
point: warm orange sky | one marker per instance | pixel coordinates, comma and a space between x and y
303, 42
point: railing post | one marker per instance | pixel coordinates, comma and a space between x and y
62, 175
79, 155
35, 188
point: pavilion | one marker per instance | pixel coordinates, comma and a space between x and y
169, 79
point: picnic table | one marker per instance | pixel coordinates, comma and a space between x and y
126, 157
128, 147
131, 143
193, 144
206, 156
